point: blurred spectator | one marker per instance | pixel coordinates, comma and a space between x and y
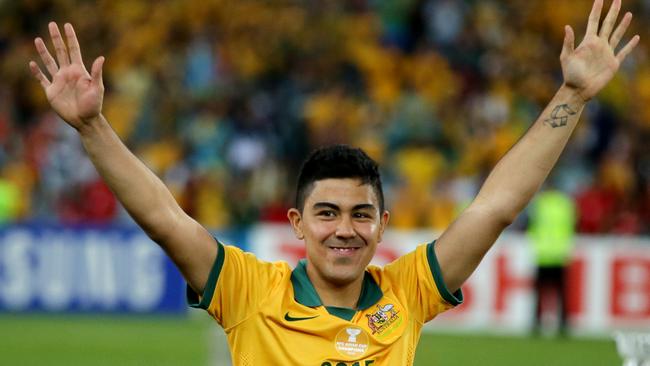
9, 201
551, 230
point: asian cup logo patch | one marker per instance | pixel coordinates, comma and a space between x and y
352, 342
383, 318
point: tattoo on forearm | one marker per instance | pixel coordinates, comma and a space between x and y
560, 116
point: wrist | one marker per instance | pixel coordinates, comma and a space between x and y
90, 125
575, 95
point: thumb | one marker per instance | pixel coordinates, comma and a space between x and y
569, 39
96, 71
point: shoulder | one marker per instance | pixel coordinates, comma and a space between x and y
409, 261
415, 262
417, 268
236, 253
240, 263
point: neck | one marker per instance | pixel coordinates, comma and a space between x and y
342, 296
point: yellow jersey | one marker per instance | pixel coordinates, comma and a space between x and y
272, 315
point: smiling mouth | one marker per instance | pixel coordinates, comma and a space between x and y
344, 250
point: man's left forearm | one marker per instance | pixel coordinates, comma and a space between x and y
519, 174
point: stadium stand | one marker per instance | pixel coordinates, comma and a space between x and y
219, 96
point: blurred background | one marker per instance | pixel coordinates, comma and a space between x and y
223, 99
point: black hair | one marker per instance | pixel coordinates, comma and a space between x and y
338, 161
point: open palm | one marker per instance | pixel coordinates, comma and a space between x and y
590, 66
73, 93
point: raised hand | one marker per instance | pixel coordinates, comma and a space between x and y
592, 65
73, 93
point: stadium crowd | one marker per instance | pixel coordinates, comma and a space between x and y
223, 99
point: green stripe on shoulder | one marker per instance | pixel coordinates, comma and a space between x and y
210, 286
454, 299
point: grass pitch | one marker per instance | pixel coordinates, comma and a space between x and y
91, 340
486, 350
129, 340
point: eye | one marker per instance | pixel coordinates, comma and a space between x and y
362, 215
326, 213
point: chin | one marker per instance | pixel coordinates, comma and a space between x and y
340, 276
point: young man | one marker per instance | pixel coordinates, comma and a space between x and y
333, 309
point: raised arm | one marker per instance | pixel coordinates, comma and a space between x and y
520, 173
76, 96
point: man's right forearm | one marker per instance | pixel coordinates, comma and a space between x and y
139, 190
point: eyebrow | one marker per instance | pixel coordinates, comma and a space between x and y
361, 206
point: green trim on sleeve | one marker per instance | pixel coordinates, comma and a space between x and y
210, 286
453, 299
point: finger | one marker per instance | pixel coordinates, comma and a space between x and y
622, 54
610, 19
38, 74
594, 18
47, 59
620, 30
59, 45
569, 39
73, 44
96, 71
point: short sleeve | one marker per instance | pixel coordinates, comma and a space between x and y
418, 276
237, 284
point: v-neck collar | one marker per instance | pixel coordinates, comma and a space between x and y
305, 293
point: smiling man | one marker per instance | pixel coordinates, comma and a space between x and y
333, 309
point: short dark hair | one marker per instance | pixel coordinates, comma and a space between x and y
338, 161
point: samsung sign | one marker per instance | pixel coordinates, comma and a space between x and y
88, 270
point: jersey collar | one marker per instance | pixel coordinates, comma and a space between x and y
305, 293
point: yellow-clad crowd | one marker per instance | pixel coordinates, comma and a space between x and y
223, 99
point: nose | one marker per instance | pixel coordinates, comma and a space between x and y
345, 229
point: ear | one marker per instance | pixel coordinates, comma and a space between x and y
383, 223
295, 218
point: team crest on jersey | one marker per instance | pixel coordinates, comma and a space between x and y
383, 318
